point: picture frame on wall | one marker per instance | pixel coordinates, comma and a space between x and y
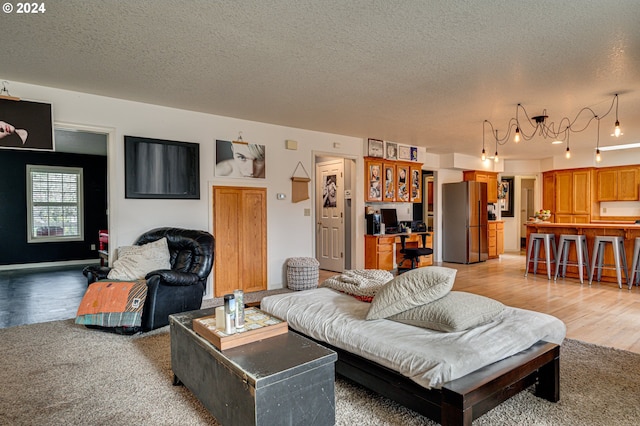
403, 186
391, 151
376, 148
414, 153
239, 159
161, 169
26, 125
505, 195
404, 153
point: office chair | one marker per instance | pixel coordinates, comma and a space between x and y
413, 253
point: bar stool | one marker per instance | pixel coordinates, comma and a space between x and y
582, 255
619, 257
635, 269
534, 249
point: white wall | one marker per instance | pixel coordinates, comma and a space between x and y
289, 232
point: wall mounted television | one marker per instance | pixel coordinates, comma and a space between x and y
156, 168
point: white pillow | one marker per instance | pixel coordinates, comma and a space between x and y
135, 262
413, 288
457, 311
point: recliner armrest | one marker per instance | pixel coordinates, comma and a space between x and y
176, 278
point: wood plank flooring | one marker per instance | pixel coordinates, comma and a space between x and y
601, 313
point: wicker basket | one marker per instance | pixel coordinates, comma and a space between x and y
302, 273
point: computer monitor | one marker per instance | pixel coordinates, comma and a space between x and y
389, 218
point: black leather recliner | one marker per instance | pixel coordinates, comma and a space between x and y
179, 289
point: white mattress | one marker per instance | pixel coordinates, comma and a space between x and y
429, 358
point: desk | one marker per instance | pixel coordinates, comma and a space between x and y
382, 251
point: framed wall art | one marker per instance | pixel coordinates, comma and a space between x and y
391, 151
505, 197
376, 148
239, 159
404, 152
26, 125
156, 168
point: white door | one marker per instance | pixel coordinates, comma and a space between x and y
330, 215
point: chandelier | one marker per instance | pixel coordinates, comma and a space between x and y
526, 128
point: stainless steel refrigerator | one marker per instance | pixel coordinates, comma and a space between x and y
464, 222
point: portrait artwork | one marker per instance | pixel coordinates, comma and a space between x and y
330, 191
26, 125
239, 159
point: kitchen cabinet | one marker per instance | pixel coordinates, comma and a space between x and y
617, 184
415, 195
389, 194
572, 196
549, 193
495, 240
490, 178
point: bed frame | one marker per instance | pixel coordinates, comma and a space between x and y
463, 400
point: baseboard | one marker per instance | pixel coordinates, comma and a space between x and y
49, 264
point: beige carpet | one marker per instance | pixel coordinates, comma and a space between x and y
58, 373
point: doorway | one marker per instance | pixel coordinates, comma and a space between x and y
330, 215
527, 199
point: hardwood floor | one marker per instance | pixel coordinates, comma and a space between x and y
30, 296
601, 313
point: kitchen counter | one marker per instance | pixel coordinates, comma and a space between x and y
629, 231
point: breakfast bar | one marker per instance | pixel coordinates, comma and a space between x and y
627, 230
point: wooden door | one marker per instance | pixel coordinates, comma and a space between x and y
240, 229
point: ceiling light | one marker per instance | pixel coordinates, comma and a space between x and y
556, 142
619, 147
538, 125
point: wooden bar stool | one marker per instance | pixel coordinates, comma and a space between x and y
619, 258
582, 255
635, 269
533, 252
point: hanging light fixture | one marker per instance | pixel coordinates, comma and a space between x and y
495, 156
598, 156
539, 126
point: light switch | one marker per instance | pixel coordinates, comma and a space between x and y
281, 196
307, 212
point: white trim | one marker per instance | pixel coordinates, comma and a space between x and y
49, 264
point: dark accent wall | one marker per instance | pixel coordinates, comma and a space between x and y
14, 248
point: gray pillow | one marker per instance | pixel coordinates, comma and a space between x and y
413, 288
457, 311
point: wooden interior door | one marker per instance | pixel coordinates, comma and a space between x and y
240, 229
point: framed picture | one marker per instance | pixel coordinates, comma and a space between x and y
375, 181
330, 191
404, 153
505, 196
376, 148
391, 151
402, 189
239, 159
156, 168
414, 153
26, 125
389, 182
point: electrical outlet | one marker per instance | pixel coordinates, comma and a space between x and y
93, 246
604, 210
307, 212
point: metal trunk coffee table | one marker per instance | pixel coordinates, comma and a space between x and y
282, 380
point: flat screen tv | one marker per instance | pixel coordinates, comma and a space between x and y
156, 168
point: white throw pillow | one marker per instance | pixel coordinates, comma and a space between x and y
135, 262
413, 288
457, 311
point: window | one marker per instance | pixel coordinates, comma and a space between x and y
54, 198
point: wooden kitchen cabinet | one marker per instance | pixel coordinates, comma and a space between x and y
549, 192
495, 238
392, 181
572, 196
490, 178
373, 183
617, 184
415, 193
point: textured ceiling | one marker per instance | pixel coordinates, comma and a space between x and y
417, 72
